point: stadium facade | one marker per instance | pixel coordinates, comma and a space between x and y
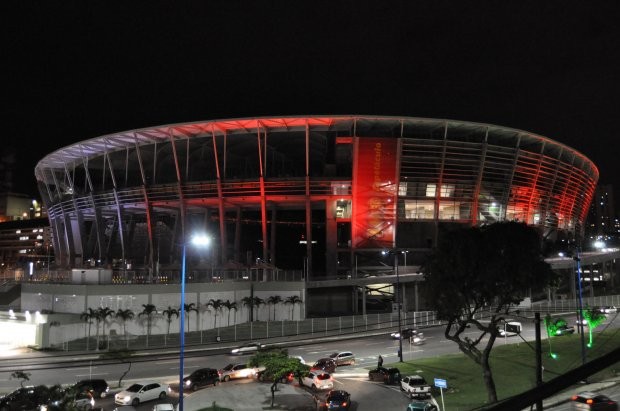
322, 194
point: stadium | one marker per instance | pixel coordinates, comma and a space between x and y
321, 196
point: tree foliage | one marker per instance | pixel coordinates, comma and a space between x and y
277, 365
483, 271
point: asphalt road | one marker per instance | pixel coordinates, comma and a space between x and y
165, 367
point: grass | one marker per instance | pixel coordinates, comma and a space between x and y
513, 366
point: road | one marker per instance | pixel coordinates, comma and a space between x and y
49, 370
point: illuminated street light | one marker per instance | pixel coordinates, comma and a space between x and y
200, 240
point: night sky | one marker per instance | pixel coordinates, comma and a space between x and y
77, 70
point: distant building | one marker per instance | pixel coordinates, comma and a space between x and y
602, 222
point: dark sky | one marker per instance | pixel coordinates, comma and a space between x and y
77, 70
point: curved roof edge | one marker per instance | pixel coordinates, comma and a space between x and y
117, 141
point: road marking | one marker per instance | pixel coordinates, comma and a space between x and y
82, 368
167, 362
90, 375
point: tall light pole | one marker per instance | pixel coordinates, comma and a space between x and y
400, 331
577, 258
202, 241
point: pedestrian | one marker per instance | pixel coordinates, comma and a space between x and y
380, 361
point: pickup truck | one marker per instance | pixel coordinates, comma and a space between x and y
415, 386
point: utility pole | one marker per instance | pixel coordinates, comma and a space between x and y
539, 379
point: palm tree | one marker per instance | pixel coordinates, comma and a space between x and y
217, 305
257, 303
274, 300
248, 302
252, 302
292, 300
230, 306
104, 314
189, 308
149, 311
88, 316
124, 315
169, 313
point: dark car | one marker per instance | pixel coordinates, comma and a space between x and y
385, 375
325, 364
98, 387
337, 400
27, 398
593, 402
421, 406
262, 376
200, 378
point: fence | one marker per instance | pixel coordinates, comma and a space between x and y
255, 331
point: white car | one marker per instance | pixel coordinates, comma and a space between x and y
249, 348
317, 380
141, 392
609, 309
163, 407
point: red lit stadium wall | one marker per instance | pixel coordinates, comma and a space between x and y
309, 197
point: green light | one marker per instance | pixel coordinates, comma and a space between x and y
554, 355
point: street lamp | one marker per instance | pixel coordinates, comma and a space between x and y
200, 240
400, 339
577, 258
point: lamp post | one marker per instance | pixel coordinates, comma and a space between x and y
400, 339
400, 332
577, 258
202, 241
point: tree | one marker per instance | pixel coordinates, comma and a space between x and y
104, 314
257, 302
248, 302
593, 318
230, 306
277, 365
88, 316
124, 356
189, 308
293, 300
217, 305
22, 376
168, 314
148, 310
483, 270
273, 301
124, 315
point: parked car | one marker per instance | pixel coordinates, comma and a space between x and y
26, 398
593, 402
234, 371
343, 358
263, 377
98, 387
163, 407
141, 392
200, 378
71, 399
415, 386
421, 406
325, 364
317, 380
385, 375
249, 348
337, 400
